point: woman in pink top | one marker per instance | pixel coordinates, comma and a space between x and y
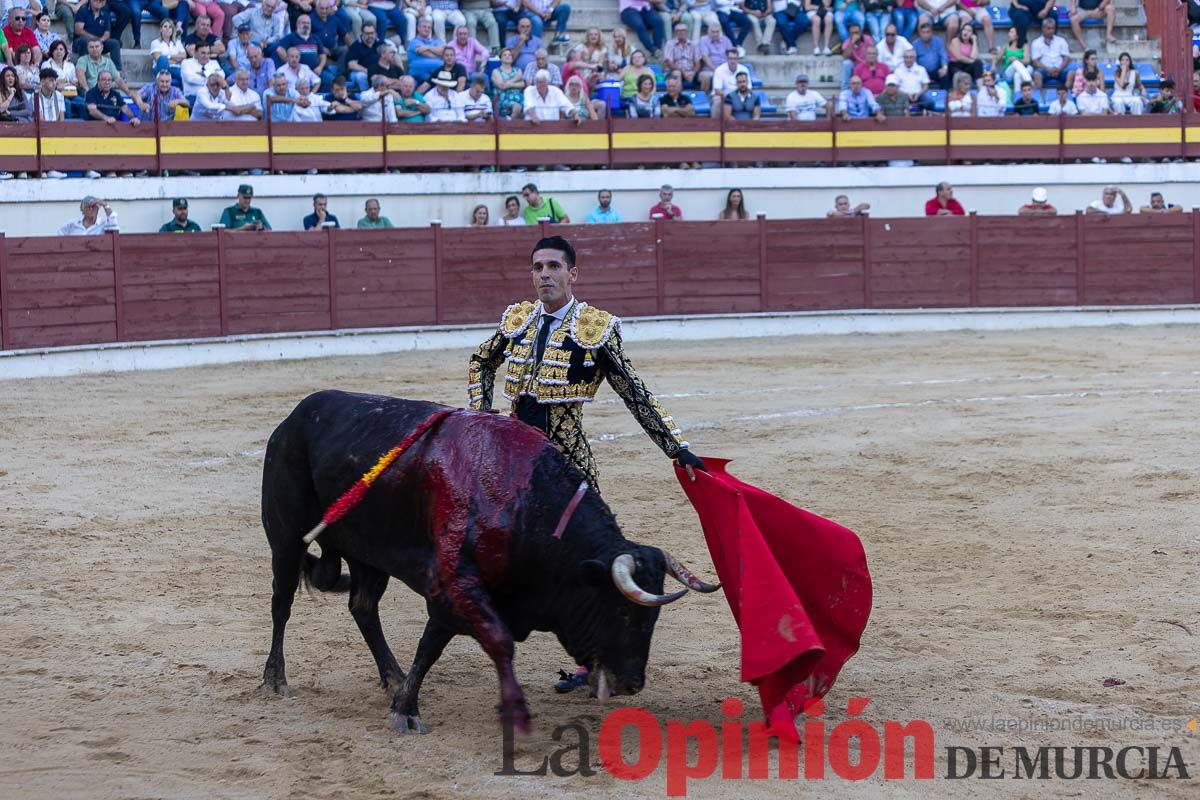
964, 53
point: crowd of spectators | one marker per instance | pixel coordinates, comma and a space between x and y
97, 217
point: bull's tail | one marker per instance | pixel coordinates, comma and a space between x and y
324, 573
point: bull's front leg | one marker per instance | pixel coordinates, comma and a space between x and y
473, 606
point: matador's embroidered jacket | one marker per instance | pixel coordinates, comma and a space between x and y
585, 348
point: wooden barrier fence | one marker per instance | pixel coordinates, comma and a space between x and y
137, 287
370, 146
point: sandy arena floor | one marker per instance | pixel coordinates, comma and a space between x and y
1028, 502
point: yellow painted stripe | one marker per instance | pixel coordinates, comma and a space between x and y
652, 140
1192, 135
1121, 135
1024, 137
554, 141
319, 143
781, 139
18, 146
897, 139
442, 142
99, 146
176, 145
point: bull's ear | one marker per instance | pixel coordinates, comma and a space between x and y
595, 573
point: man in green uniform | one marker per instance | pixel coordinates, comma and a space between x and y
180, 223
242, 216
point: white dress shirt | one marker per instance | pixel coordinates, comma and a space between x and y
76, 227
548, 107
893, 56
239, 98
448, 108
195, 76
209, 108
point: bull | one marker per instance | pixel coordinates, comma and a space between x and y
466, 518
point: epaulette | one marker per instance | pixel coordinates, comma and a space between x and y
591, 328
516, 319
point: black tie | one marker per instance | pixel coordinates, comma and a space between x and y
539, 349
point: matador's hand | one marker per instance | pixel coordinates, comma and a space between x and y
690, 462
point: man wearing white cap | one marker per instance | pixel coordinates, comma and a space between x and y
1037, 207
890, 100
804, 104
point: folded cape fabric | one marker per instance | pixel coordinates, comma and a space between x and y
797, 583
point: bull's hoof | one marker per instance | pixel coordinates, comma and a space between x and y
274, 689
517, 718
405, 724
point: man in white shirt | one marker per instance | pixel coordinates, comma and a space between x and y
445, 104
96, 216
310, 107
477, 106
372, 108
891, 49
545, 102
1051, 55
210, 101
1093, 101
194, 71
724, 80
1063, 105
803, 103
243, 104
293, 70
1107, 204
913, 80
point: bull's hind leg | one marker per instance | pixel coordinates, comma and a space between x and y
285, 564
405, 716
367, 586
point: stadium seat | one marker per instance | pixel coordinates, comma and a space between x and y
938, 96
767, 108
701, 102
1150, 76
1109, 71
1000, 17
755, 83
660, 79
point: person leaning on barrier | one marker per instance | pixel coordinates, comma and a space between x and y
243, 104
179, 222
1160, 206
1038, 205
96, 216
320, 216
372, 218
106, 104
604, 214
841, 208
241, 216
1107, 204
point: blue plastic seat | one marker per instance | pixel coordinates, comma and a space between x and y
938, 96
701, 102
1149, 74
765, 104
1109, 72
660, 79
755, 83
1000, 17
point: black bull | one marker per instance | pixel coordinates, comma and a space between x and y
465, 517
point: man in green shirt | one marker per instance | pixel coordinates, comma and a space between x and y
372, 219
242, 216
180, 223
539, 207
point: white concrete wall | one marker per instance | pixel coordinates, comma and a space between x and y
38, 208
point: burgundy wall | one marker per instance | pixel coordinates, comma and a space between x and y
83, 290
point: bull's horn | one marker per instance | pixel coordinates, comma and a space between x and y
685, 576
622, 572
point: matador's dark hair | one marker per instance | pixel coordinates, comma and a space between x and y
556, 243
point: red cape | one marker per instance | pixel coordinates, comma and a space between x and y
797, 583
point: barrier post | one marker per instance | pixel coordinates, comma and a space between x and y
157, 139
660, 267
37, 128
383, 123
1195, 256
1062, 148
947, 119
974, 231
608, 129
865, 225
1079, 261
118, 283
331, 261
721, 123
270, 143
764, 294
437, 270
222, 290
5, 322
833, 126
